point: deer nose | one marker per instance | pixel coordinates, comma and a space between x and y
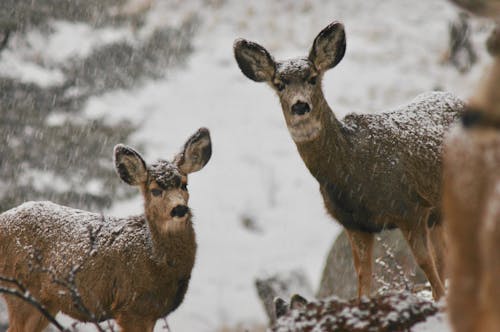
300, 108
179, 211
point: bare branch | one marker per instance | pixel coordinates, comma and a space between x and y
165, 324
5, 39
401, 278
15, 282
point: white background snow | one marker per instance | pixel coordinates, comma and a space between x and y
393, 53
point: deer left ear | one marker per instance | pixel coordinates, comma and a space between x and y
196, 152
328, 47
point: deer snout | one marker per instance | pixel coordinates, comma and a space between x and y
300, 108
179, 211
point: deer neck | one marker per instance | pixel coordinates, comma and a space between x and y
326, 154
173, 243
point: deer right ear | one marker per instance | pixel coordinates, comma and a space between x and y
328, 47
254, 61
129, 165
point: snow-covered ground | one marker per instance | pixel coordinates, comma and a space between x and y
393, 53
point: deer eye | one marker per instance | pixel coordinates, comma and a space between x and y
156, 192
280, 86
313, 80
184, 186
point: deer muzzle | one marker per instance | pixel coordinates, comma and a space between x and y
300, 108
179, 211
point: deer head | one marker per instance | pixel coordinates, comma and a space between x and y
296, 81
164, 183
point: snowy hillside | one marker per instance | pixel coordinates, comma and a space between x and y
256, 176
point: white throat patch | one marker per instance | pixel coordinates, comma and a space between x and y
304, 130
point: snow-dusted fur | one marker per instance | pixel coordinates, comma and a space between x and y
376, 171
471, 204
93, 267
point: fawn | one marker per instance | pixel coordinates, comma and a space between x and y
93, 268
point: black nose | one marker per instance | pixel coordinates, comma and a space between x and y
300, 108
179, 211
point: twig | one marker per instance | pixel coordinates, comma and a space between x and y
165, 324
3, 43
402, 279
110, 326
15, 282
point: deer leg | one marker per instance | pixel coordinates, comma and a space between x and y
132, 323
438, 241
23, 317
418, 240
362, 252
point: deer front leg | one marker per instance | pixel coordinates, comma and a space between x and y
418, 240
362, 249
24, 317
133, 323
438, 240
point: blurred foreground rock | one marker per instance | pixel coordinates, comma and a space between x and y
283, 285
387, 312
394, 267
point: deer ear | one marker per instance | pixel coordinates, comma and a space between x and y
196, 152
328, 47
129, 165
254, 60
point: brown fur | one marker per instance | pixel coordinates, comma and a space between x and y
375, 171
135, 269
486, 8
471, 204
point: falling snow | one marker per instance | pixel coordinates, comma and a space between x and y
393, 51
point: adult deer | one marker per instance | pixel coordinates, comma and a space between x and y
91, 267
375, 171
471, 197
